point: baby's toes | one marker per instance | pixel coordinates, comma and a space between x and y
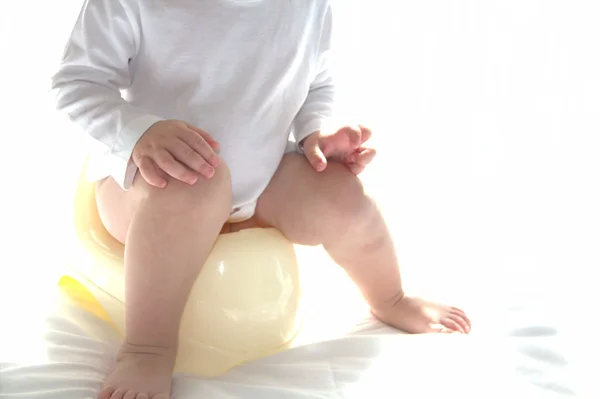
142, 395
118, 394
106, 393
464, 320
453, 323
130, 395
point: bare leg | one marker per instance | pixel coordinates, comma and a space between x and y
331, 208
168, 234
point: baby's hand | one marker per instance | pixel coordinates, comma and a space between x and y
344, 145
176, 149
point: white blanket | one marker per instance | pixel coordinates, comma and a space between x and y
61, 351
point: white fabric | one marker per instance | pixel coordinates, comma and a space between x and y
247, 72
69, 355
520, 346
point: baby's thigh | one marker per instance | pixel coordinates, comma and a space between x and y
306, 205
117, 207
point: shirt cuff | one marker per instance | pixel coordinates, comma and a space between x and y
124, 169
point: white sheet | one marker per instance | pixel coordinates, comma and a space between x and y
59, 351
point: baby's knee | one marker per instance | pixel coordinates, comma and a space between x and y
207, 194
346, 200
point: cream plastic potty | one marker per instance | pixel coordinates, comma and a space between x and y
245, 303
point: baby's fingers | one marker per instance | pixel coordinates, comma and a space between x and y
201, 146
315, 156
354, 136
365, 133
151, 173
174, 168
214, 144
187, 156
355, 168
347, 139
362, 156
358, 161
365, 156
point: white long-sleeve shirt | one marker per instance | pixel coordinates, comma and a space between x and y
248, 72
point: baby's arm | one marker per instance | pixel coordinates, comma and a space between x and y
94, 68
318, 106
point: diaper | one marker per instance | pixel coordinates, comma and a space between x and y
242, 213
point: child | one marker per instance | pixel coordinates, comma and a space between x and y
211, 91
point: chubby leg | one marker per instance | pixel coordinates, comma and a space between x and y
168, 234
332, 209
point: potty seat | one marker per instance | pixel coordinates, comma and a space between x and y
244, 305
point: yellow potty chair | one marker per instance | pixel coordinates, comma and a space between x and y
244, 305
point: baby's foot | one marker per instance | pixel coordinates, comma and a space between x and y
415, 315
140, 373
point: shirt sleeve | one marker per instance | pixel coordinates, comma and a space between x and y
93, 71
318, 106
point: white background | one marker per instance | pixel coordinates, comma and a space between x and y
487, 120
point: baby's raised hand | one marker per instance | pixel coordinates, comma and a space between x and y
176, 149
344, 145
